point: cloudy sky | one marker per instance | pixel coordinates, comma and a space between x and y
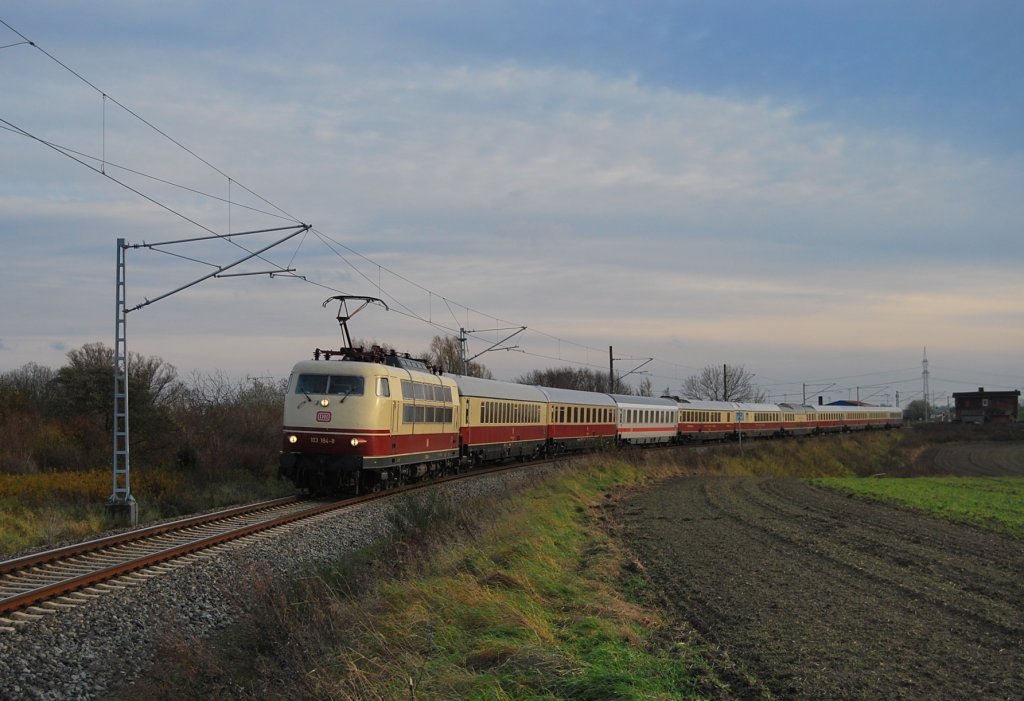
815, 191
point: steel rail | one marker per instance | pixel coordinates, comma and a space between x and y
65, 552
99, 575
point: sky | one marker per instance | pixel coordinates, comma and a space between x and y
819, 192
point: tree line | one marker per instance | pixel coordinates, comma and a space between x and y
63, 419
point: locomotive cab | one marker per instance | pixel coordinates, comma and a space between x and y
352, 425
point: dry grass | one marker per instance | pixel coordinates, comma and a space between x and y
498, 599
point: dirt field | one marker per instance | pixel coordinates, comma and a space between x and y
801, 593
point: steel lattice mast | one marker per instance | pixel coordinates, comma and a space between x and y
122, 506
121, 499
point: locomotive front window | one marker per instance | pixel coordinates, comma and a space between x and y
344, 385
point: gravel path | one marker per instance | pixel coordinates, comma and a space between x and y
803, 593
82, 652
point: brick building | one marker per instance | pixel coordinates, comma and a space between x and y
983, 407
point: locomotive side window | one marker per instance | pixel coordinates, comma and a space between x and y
383, 387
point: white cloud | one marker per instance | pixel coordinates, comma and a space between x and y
594, 208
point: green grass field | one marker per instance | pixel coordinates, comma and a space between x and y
991, 502
517, 596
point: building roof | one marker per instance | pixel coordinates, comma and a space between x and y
982, 393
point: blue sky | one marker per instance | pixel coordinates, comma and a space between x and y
816, 191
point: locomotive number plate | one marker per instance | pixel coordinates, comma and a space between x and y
323, 416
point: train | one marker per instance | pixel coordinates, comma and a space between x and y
364, 420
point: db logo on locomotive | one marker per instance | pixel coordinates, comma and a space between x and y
323, 416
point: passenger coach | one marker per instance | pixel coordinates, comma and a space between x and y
580, 420
501, 420
706, 420
646, 420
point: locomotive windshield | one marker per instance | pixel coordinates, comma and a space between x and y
345, 385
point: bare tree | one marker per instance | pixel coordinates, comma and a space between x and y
444, 353
729, 383
29, 385
567, 378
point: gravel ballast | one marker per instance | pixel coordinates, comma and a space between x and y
84, 651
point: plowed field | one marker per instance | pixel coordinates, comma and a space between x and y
802, 593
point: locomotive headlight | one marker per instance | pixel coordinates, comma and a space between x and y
325, 402
357, 442
293, 439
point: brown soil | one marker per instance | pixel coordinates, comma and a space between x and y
797, 592
973, 459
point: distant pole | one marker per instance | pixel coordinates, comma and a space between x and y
725, 382
924, 377
462, 351
611, 371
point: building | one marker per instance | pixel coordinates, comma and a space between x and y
983, 407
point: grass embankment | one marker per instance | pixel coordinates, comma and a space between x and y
523, 596
991, 502
849, 455
507, 598
48, 508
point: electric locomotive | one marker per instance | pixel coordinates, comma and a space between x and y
366, 424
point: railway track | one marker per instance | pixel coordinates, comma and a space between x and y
36, 583
41, 583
